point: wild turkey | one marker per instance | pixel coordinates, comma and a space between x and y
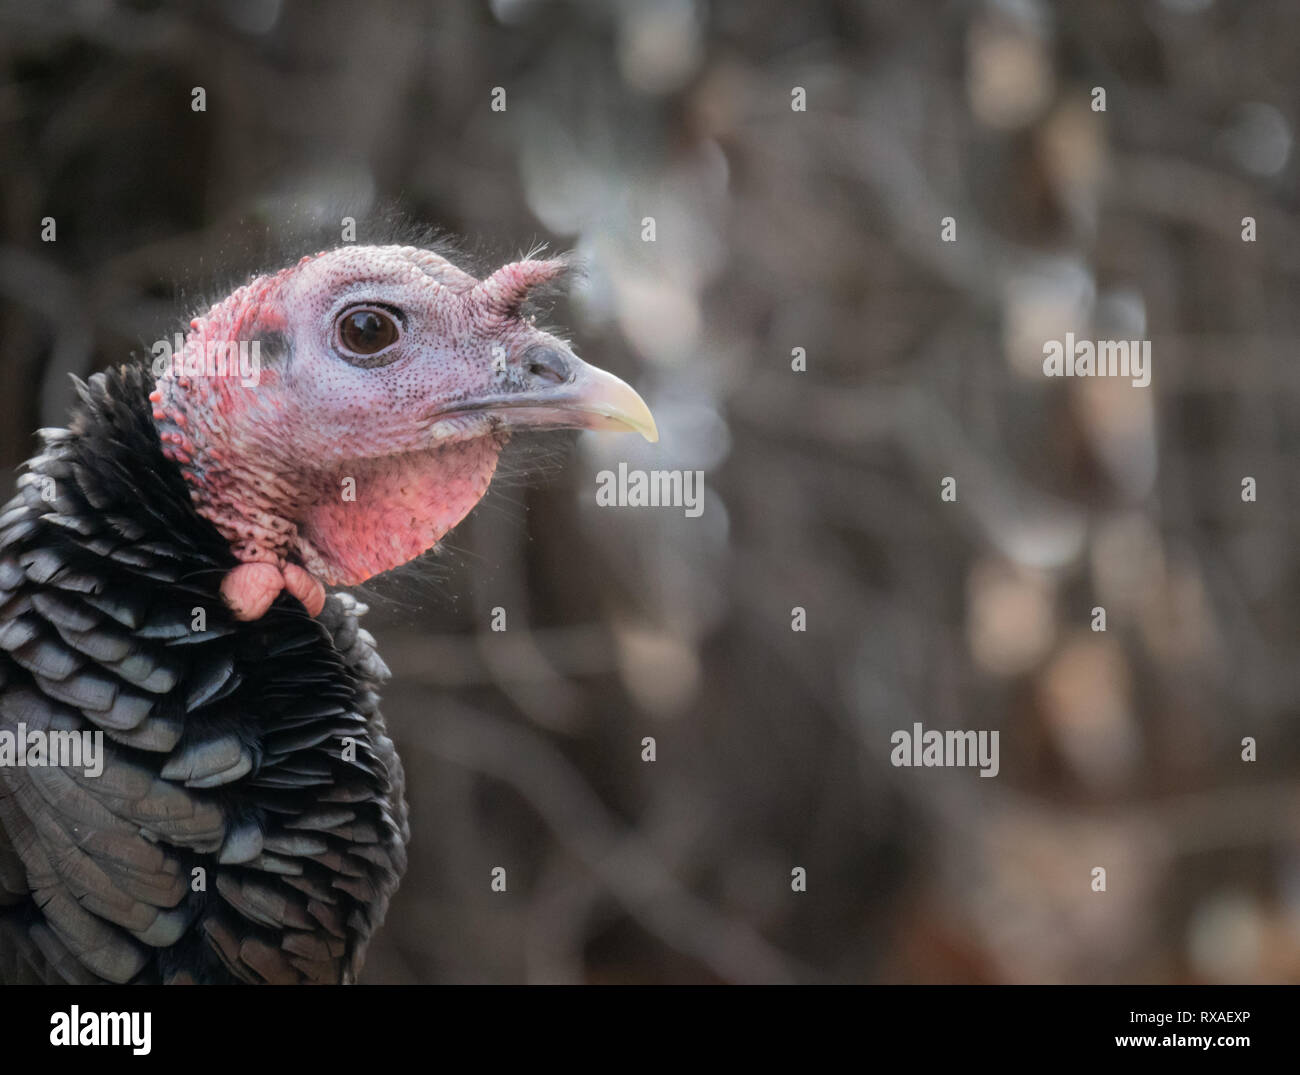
162, 575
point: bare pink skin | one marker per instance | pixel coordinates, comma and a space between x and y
327, 472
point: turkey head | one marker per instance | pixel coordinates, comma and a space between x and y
367, 420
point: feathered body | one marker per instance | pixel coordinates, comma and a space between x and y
223, 745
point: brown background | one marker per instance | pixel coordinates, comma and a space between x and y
775, 230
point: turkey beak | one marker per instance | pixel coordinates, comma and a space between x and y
557, 390
597, 400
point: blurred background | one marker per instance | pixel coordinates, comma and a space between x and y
775, 229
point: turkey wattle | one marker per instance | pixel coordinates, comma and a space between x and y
162, 581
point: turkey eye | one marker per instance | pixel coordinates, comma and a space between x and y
366, 332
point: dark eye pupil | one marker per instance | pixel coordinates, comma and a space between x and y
368, 326
365, 332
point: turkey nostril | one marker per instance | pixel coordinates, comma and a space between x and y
546, 364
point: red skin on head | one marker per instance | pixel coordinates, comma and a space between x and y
324, 472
